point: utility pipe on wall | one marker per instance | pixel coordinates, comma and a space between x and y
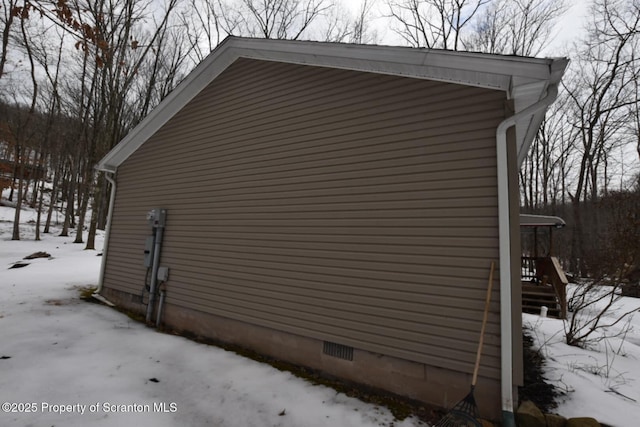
154, 272
506, 344
160, 305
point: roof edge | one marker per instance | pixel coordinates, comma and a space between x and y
531, 220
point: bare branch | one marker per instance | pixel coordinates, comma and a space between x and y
433, 23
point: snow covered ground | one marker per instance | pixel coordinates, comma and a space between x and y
66, 362
602, 381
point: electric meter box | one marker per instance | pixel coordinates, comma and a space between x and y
157, 217
148, 251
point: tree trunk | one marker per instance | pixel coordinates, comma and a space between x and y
578, 265
82, 211
14, 178
53, 200
93, 226
38, 166
16, 217
38, 218
19, 173
69, 210
98, 207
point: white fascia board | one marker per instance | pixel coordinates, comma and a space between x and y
482, 70
385, 66
478, 62
495, 72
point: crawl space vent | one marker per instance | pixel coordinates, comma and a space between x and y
338, 350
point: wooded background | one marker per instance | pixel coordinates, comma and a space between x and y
76, 76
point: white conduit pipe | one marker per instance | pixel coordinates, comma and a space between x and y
506, 343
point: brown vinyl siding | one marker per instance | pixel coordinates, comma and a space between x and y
344, 206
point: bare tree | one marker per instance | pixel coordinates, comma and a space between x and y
200, 23
592, 302
107, 113
433, 23
362, 32
524, 27
340, 25
22, 130
162, 69
557, 141
49, 59
591, 306
7, 18
64, 14
601, 90
270, 19
335, 25
633, 124
546, 174
515, 27
128, 56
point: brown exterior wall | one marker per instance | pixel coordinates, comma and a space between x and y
327, 204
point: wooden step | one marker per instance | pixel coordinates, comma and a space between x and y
539, 304
537, 299
534, 297
539, 294
538, 289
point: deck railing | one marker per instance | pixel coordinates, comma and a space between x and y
528, 271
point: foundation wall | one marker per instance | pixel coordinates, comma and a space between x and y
432, 385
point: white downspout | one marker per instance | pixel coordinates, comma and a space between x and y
506, 344
103, 264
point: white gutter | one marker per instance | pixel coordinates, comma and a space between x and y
103, 264
506, 344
